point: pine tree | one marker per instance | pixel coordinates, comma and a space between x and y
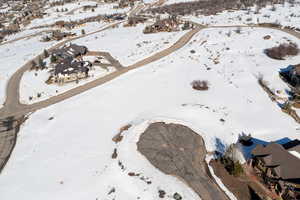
46, 54
53, 59
40, 61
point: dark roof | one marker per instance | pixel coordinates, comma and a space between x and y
291, 144
73, 50
70, 66
276, 156
297, 69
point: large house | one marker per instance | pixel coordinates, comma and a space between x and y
163, 25
71, 50
291, 75
69, 70
279, 166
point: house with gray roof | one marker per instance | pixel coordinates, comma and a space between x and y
69, 70
72, 50
291, 75
279, 166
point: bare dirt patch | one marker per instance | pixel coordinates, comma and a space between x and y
177, 150
118, 138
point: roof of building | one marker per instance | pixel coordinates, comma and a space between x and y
71, 50
274, 155
297, 69
70, 66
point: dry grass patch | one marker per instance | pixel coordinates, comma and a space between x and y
118, 138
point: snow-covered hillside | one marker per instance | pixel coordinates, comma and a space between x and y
64, 151
286, 15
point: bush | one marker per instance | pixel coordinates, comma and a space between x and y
46, 54
283, 50
199, 85
233, 168
53, 59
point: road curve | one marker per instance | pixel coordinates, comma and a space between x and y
13, 107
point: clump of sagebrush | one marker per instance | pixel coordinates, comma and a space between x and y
200, 85
282, 51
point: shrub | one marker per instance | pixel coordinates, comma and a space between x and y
199, 85
53, 59
46, 54
237, 169
283, 50
233, 168
238, 30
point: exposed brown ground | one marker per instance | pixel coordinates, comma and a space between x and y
177, 150
245, 187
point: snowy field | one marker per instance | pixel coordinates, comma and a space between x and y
64, 151
168, 2
23, 33
78, 14
285, 14
129, 44
33, 83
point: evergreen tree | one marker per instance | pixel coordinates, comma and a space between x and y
46, 54
53, 59
40, 61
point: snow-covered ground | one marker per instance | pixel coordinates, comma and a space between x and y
33, 83
132, 46
15, 55
168, 2
54, 16
64, 151
285, 14
129, 44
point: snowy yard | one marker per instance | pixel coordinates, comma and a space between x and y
129, 44
33, 83
64, 151
54, 16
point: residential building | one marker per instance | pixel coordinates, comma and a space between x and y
279, 166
